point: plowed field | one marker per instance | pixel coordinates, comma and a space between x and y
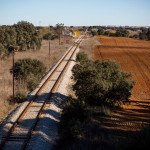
133, 56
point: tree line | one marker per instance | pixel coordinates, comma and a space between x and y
23, 34
142, 32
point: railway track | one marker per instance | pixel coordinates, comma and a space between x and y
20, 132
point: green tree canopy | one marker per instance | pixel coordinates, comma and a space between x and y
122, 33
47, 36
3, 51
100, 31
93, 32
29, 70
99, 82
22, 34
27, 36
24, 67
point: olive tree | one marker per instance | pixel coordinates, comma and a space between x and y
98, 82
30, 71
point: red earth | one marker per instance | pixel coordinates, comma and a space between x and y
133, 56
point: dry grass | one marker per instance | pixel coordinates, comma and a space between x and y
43, 55
88, 45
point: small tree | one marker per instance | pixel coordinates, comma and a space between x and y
3, 51
98, 82
30, 71
59, 29
93, 32
100, 31
47, 36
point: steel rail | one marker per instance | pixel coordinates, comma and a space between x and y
48, 98
30, 103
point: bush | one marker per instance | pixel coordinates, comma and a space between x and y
93, 33
73, 114
30, 71
20, 97
32, 82
74, 108
25, 67
98, 82
81, 57
54, 37
3, 51
47, 36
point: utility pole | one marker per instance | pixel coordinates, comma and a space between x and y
49, 37
59, 36
49, 46
13, 78
60, 27
13, 49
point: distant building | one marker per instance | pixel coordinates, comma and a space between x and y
66, 32
76, 33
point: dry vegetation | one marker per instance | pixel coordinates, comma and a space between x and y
42, 55
88, 44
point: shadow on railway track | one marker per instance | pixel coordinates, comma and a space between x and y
46, 128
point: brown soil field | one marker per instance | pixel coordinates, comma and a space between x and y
133, 56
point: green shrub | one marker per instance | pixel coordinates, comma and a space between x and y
20, 97
32, 82
93, 32
30, 71
73, 114
74, 108
54, 37
47, 36
25, 67
81, 57
98, 82
3, 51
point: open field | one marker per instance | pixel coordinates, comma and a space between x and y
133, 56
43, 55
121, 41
107, 128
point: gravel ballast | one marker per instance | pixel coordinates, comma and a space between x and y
46, 129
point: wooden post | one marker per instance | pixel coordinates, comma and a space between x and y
13, 79
59, 36
49, 47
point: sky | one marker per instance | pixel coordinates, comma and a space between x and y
76, 12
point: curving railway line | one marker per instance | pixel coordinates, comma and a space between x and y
20, 132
